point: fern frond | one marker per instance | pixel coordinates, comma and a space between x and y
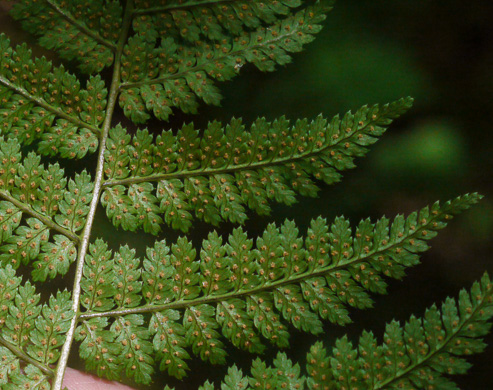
175, 74
47, 104
98, 348
26, 244
212, 19
247, 293
31, 332
421, 354
10, 365
31, 377
283, 374
129, 316
37, 201
55, 258
40, 192
217, 175
86, 32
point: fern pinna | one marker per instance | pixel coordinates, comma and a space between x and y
133, 316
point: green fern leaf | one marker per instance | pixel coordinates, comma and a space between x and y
134, 354
25, 245
34, 332
318, 369
248, 293
39, 201
21, 317
219, 174
66, 140
282, 375
178, 72
214, 20
97, 282
10, 366
47, 104
234, 380
168, 342
10, 218
213, 273
200, 326
98, 348
31, 378
266, 320
129, 316
127, 275
87, 34
412, 356
9, 284
157, 271
55, 259
237, 327
75, 204
51, 327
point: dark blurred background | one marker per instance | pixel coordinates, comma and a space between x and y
439, 52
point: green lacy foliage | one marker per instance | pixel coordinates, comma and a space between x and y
421, 354
131, 316
85, 31
182, 68
43, 103
243, 291
35, 331
216, 175
39, 201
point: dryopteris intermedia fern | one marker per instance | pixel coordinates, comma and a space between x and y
420, 354
134, 316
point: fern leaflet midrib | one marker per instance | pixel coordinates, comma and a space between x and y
98, 38
28, 359
25, 208
42, 103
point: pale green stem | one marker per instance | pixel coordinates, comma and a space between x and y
98, 181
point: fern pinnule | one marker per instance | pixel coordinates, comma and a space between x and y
39, 201
47, 104
423, 353
32, 333
217, 175
177, 72
216, 20
84, 31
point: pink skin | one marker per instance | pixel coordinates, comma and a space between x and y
76, 380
